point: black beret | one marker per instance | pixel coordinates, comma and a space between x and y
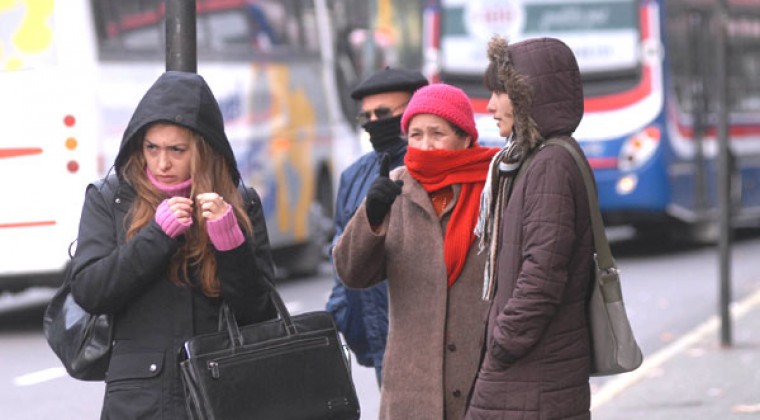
390, 80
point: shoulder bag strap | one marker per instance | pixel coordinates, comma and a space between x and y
603, 253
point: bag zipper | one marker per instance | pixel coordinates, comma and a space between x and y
288, 347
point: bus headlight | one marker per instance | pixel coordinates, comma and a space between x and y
638, 149
626, 184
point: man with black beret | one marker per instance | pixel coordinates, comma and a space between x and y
362, 315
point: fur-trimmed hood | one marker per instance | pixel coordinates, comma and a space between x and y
542, 79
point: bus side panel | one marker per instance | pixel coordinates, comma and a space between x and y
47, 136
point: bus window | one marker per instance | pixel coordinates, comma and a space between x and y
604, 35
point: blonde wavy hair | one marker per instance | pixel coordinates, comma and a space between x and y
210, 172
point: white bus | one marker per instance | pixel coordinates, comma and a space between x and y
71, 74
48, 132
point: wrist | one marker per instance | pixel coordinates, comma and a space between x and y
168, 222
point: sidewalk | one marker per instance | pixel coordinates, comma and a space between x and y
694, 377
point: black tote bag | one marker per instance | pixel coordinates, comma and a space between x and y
293, 367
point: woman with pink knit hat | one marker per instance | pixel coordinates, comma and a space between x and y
415, 228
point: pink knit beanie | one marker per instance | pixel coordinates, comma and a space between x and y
445, 101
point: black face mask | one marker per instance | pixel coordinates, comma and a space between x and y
384, 133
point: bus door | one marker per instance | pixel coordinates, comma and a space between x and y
743, 67
697, 63
692, 45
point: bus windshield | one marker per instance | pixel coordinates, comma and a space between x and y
603, 34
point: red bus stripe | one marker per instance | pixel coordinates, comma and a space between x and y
602, 103
734, 131
645, 29
479, 106
212, 5
27, 224
623, 99
9, 153
603, 163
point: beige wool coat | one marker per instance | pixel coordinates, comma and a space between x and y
435, 332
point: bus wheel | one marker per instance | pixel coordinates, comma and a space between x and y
660, 233
674, 233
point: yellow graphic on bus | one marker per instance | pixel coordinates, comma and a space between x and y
31, 38
384, 22
7, 4
35, 33
292, 142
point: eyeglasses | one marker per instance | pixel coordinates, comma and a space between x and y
380, 113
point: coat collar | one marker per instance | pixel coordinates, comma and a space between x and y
417, 195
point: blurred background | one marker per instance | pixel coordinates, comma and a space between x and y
671, 129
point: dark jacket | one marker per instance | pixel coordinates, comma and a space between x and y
537, 359
152, 316
361, 315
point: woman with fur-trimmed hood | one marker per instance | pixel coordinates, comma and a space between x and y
537, 355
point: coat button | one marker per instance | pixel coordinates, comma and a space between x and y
457, 393
452, 347
153, 367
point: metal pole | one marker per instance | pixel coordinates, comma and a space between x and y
181, 48
370, 48
724, 173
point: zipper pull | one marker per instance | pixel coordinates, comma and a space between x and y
214, 368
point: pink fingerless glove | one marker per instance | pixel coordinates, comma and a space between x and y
168, 221
224, 232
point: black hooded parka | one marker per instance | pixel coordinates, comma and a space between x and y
128, 279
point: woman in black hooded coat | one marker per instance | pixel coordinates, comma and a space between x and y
176, 240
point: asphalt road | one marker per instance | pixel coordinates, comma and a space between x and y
669, 290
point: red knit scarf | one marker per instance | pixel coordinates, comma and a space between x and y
436, 169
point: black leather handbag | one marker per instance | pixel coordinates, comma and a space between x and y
293, 367
82, 341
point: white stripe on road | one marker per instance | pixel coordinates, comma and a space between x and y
294, 307
615, 386
40, 376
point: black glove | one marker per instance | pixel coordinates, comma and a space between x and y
382, 193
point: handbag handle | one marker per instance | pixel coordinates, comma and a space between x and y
228, 322
290, 328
